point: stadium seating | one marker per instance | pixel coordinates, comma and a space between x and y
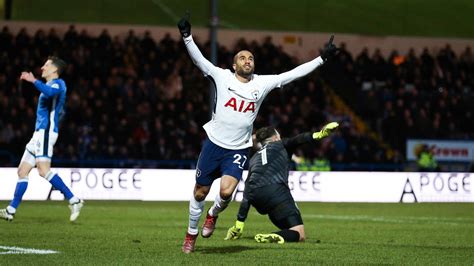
140, 102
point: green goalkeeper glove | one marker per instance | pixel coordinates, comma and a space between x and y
327, 129
235, 232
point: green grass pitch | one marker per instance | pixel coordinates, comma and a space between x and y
438, 18
137, 233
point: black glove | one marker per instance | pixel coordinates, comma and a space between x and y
184, 26
329, 50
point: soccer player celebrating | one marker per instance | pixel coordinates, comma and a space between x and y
266, 187
39, 150
239, 95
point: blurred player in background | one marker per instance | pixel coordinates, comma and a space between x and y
39, 150
266, 187
224, 154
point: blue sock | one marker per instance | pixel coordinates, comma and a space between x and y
19, 191
58, 184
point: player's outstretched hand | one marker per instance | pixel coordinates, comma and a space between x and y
235, 232
184, 26
327, 129
329, 50
28, 76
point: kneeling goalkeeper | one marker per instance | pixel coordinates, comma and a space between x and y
266, 187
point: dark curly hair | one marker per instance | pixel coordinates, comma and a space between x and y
264, 133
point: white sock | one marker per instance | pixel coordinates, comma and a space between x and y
11, 210
49, 175
219, 205
74, 200
195, 210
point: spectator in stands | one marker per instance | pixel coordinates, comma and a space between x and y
439, 98
425, 159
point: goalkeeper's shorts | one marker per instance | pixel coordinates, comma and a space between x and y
276, 201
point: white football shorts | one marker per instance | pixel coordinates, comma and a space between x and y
40, 147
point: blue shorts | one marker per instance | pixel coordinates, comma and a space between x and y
215, 161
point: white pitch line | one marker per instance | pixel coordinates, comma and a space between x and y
18, 250
166, 9
173, 16
400, 220
228, 25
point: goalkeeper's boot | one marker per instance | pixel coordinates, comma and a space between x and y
75, 210
189, 242
209, 226
5, 214
269, 238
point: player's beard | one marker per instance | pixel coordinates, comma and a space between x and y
241, 71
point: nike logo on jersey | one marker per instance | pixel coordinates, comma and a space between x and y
240, 105
253, 95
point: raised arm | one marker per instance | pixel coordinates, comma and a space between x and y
198, 59
282, 79
48, 90
42, 87
298, 72
291, 144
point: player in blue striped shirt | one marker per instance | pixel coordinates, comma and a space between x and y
39, 150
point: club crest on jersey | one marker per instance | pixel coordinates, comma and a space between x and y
240, 105
255, 94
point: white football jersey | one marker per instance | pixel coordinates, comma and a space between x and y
237, 103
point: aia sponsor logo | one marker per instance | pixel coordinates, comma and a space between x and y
240, 105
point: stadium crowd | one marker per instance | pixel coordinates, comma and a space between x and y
425, 96
142, 99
